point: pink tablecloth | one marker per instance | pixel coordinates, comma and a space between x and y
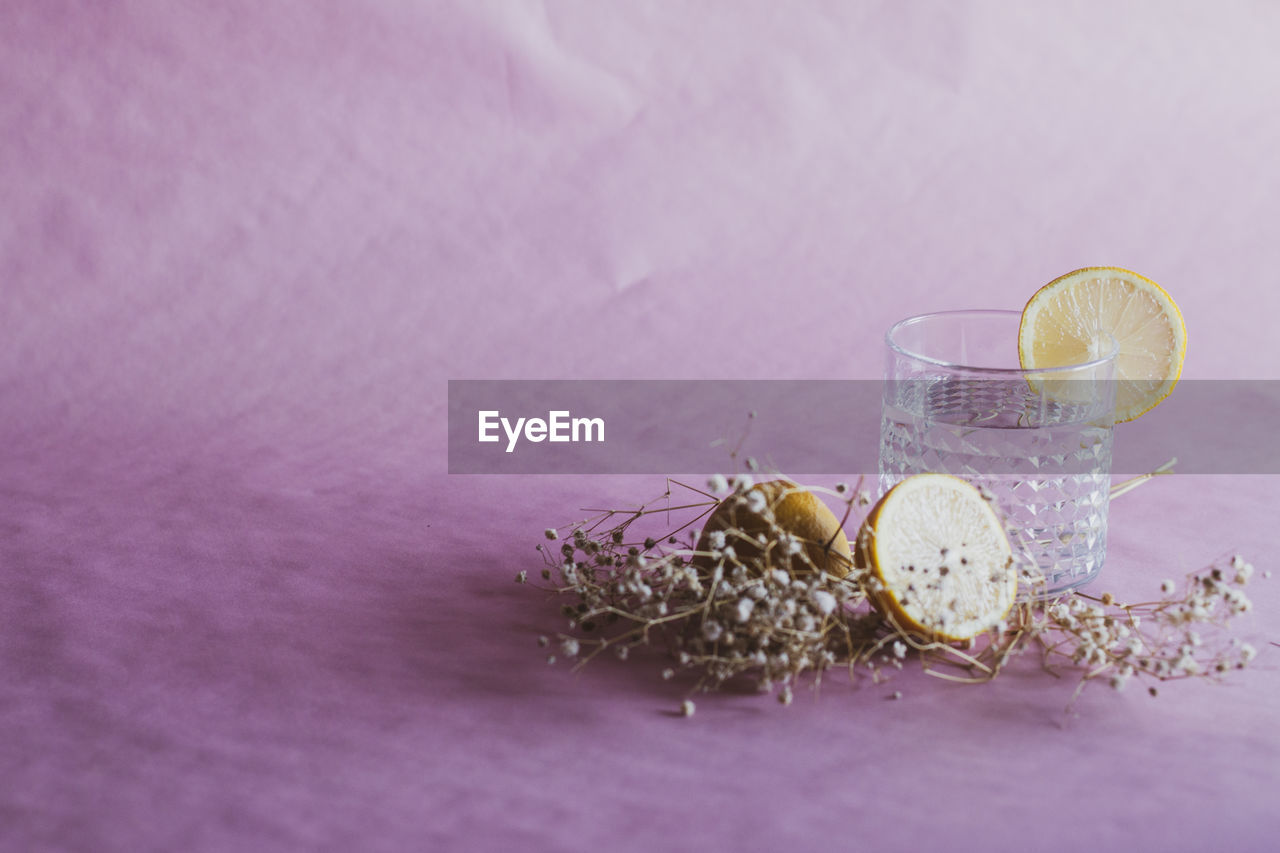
243, 246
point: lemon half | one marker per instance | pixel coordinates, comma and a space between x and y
788, 508
940, 555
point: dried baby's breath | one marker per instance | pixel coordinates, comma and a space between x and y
1182, 634
767, 614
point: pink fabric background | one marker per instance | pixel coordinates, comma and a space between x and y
244, 245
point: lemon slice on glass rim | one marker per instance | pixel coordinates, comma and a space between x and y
1073, 318
940, 560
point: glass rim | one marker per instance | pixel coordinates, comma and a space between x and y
986, 312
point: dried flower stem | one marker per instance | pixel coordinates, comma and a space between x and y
1133, 482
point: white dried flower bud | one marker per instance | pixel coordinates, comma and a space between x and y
711, 630
716, 539
899, 649
1247, 652
756, 502
823, 601
717, 484
1167, 587
743, 482
742, 611
569, 647
687, 708
729, 554
780, 577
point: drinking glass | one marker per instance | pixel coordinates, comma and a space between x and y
1037, 442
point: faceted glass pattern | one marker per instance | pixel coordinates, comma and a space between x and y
1040, 444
